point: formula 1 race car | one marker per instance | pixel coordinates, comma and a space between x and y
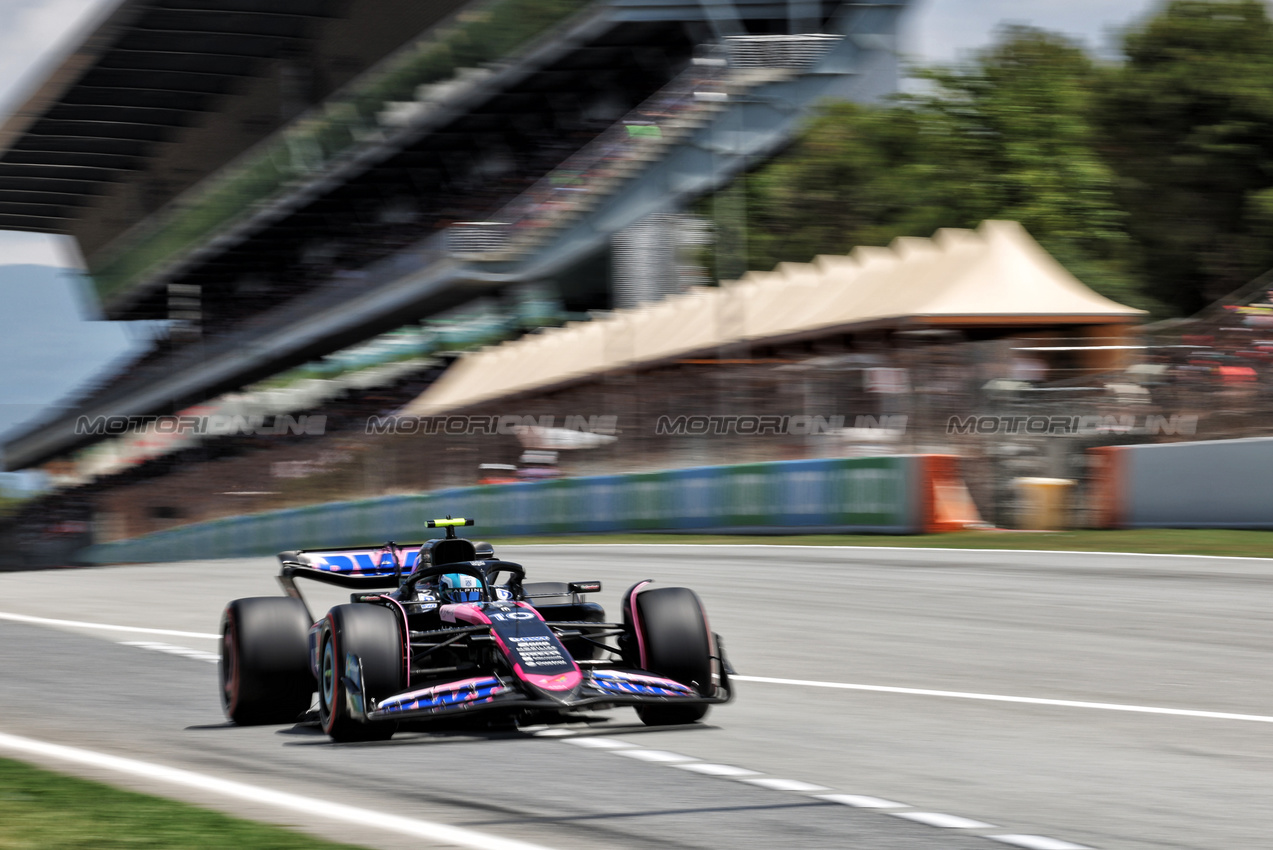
445, 629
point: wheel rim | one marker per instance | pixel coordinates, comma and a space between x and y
229, 667
329, 676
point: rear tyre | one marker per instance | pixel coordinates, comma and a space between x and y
677, 644
264, 669
371, 634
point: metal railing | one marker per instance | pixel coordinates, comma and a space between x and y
789, 52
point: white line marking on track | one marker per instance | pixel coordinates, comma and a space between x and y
708, 769
659, 756
600, 743
943, 820
45, 621
366, 818
1064, 703
895, 549
861, 802
752, 777
198, 654
1036, 842
776, 784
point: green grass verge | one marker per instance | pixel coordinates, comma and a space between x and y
1172, 541
40, 809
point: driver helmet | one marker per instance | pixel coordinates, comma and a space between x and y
459, 587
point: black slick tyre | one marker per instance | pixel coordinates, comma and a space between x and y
264, 670
675, 642
372, 634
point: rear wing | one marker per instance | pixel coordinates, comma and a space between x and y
378, 561
370, 568
373, 566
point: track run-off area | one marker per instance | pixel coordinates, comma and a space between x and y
886, 698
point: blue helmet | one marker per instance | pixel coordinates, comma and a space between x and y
459, 587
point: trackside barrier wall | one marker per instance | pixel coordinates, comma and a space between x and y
1212, 484
885, 494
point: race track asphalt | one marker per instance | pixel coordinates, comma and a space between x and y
1145, 633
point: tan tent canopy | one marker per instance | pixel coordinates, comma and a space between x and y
996, 275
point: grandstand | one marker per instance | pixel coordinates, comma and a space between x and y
873, 352
283, 180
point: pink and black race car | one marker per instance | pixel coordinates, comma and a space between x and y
445, 629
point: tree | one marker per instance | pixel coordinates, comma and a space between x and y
1188, 120
1009, 136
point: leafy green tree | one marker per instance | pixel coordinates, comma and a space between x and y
1188, 122
1007, 136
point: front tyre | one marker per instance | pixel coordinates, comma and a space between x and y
373, 636
264, 669
675, 642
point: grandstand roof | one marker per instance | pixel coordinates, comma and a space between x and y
994, 276
147, 69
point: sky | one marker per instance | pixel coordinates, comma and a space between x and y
946, 30
34, 34
73, 348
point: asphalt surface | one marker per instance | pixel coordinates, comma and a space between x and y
1139, 631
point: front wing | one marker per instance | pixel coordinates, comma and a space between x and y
600, 688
